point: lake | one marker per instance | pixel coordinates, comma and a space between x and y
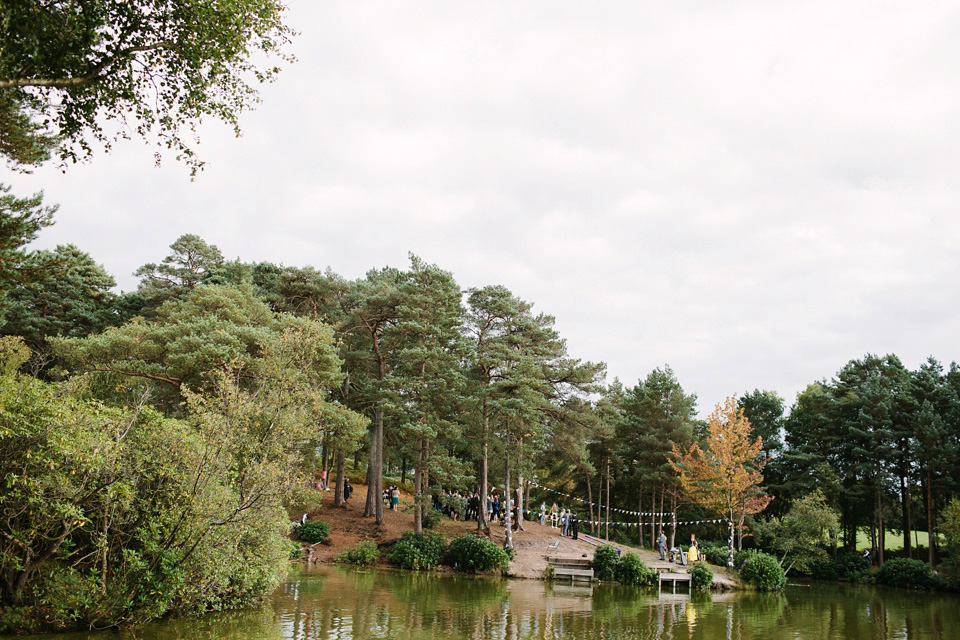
344, 603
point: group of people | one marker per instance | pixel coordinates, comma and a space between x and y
568, 521
391, 497
676, 554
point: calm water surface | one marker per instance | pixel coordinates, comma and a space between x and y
341, 603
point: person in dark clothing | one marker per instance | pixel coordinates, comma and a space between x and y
347, 490
575, 525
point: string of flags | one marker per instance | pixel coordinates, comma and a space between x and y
600, 506
533, 513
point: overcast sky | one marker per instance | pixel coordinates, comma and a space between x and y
753, 192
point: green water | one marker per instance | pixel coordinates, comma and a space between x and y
342, 603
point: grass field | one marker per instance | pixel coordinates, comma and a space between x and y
894, 540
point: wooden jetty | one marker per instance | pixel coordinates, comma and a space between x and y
672, 573
573, 568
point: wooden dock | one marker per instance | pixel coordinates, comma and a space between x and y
573, 568
672, 573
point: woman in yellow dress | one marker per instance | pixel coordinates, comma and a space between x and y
694, 553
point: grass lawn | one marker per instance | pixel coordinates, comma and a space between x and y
894, 540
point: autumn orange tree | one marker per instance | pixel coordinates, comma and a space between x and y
725, 476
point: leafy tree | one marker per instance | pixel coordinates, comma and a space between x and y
724, 477
151, 66
523, 378
803, 535
657, 417
369, 307
20, 221
427, 380
764, 410
69, 296
190, 263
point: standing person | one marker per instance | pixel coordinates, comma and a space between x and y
564, 522
543, 513
694, 553
394, 498
575, 525
323, 480
662, 540
347, 489
496, 508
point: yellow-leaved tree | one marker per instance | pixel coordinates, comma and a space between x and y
725, 476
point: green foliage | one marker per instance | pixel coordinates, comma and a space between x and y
431, 518
68, 295
715, 553
472, 554
418, 550
315, 531
632, 571
21, 219
804, 533
763, 572
950, 529
701, 576
365, 553
605, 561
151, 68
165, 531
904, 572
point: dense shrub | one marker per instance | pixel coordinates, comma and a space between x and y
851, 564
472, 554
824, 569
365, 553
715, 553
701, 576
418, 550
763, 571
631, 570
904, 572
430, 518
605, 560
315, 531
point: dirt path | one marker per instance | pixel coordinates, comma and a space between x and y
533, 545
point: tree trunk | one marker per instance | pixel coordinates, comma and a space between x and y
653, 517
403, 470
881, 538
484, 470
507, 495
905, 513
640, 516
518, 507
606, 533
374, 505
663, 491
418, 497
593, 529
931, 529
341, 476
673, 519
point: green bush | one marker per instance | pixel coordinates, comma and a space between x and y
904, 572
365, 553
472, 554
418, 550
851, 564
824, 569
430, 518
315, 531
701, 576
764, 572
605, 561
715, 553
632, 571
